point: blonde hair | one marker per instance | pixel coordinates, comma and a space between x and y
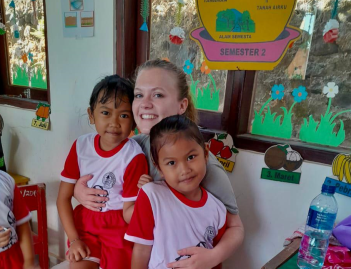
183, 87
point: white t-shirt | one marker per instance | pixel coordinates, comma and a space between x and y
116, 171
168, 221
14, 211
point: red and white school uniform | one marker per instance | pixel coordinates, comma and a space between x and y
168, 221
116, 171
14, 212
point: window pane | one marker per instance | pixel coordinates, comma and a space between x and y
324, 115
25, 41
207, 86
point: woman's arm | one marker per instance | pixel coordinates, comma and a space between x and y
141, 256
25, 240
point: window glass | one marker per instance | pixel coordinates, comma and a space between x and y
307, 97
171, 23
25, 42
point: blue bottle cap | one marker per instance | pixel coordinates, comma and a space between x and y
328, 189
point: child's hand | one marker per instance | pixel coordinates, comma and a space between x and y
78, 251
4, 236
143, 180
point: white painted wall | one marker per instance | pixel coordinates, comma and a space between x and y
270, 210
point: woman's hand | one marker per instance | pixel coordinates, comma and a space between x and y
78, 250
143, 180
201, 258
4, 236
90, 198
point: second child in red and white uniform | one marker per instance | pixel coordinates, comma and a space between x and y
116, 163
176, 213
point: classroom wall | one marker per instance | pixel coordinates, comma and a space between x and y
270, 210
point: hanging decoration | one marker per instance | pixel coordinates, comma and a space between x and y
144, 12
331, 29
223, 148
284, 164
177, 34
42, 119
15, 28
30, 57
35, 22
2, 29
341, 172
245, 35
24, 58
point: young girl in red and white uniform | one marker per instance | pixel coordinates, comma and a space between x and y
116, 163
176, 213
17, 252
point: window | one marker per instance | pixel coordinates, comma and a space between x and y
24, 69
305, 100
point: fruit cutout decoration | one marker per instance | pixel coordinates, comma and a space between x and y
341, 168
331, 29
223, 148
42, 116
283, 163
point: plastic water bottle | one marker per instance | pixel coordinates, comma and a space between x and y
319, 225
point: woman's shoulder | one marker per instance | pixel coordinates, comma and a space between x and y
141, 139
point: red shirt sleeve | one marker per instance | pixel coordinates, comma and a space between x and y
142, 224
20, 210
135, 169
71, 171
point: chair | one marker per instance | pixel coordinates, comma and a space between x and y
34, 196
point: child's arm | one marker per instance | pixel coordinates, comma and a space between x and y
4, 236
141, 256
25, 240
78, 250
128, 208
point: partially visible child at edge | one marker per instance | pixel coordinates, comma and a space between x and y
161, 90
116, 163
178, 212
16, 248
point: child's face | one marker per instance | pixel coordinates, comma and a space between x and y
112, 124
156, 97
183, 164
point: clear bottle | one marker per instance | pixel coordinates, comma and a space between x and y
319, 225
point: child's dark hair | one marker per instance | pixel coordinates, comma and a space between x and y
111, 86
169, 130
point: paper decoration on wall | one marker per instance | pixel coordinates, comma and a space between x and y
298, 66
222, 147
342, 172
246, 35
268, 124
78, 18
144, 12
331, 29
323, 132
177, 34
207, 97
42, 119
2, 29
15, 28
284, 164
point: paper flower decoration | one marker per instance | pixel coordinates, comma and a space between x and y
30, 57
205, 69
165, 59
299, 94
331, 31
177, 35
188, 67
15, 30
2, 29
24, 58
331, 89
12, 4
278, 92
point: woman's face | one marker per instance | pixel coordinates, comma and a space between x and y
156, 97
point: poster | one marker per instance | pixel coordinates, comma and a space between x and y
244, 35
78, 18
